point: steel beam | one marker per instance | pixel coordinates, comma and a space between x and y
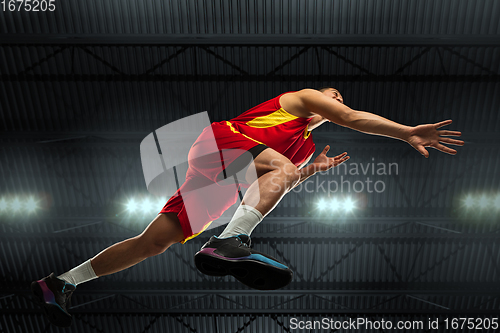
167, 288
245, 78
251, 39
346, 222
317, 313
333, 237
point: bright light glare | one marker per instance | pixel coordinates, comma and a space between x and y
30, 205
334, 204
322, 204
348, 204
131, 205
483, 202
160, 203
146, 206
496, 201
3, 204
16, 205
469, 201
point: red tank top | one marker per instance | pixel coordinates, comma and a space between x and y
270, 124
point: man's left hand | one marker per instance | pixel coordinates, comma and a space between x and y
324, 163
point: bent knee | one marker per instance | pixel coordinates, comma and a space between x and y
153, 245
163, 232
287, 172
277, 165
156, 248
292, 173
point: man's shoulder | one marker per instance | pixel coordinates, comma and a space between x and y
293, 102
303, 92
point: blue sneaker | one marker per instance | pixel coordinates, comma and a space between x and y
233, 256
53, 295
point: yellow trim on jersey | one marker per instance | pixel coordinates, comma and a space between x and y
276, 118
193, 236
234, 130
307, 132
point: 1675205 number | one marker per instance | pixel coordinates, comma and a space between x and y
471, 323
28, 5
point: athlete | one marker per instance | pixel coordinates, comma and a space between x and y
277, 134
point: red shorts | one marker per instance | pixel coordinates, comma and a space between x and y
203, 197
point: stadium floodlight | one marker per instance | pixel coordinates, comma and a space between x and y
146, 206
348, 204
334, 204
16, 205
496, 201
469, 201
322, 204
3, 204
483, 202
131, 205
30, 205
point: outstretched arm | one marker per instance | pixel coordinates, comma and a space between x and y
419, 137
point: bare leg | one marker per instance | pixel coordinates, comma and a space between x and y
161, 233
276, 176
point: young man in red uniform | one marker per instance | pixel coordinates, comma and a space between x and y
277, 134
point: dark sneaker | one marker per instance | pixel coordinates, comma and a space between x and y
53, 295
233, 256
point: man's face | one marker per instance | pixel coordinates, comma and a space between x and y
334, 93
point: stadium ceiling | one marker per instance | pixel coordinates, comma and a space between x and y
78, 98
250, 40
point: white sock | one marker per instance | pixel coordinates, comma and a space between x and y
244, 220
79, 274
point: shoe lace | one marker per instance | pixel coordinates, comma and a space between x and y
68, 294
243, 243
